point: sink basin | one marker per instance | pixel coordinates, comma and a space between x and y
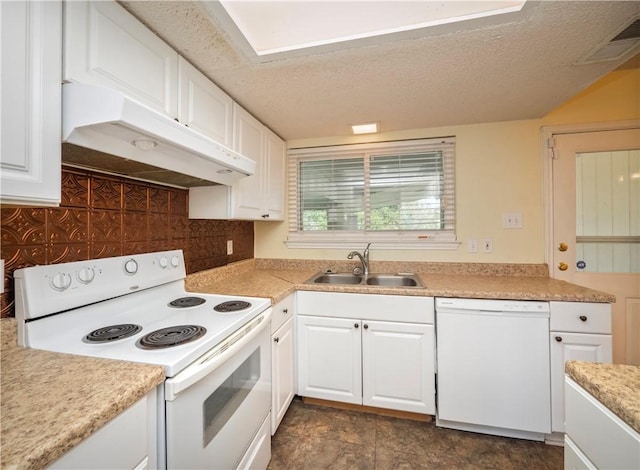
393, 280
382, 280
337, 278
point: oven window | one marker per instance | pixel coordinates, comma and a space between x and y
221, 404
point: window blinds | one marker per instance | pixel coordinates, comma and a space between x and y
373, 188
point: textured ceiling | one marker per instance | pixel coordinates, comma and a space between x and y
521, 66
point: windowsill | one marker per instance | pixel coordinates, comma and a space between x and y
380, 241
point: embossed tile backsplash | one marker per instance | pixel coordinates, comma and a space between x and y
101, 216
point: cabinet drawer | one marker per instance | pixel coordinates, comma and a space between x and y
282, 311
604, 438
580, 317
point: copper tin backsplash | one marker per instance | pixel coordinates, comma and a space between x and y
102, 216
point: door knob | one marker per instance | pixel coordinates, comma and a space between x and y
562, 266
562, 246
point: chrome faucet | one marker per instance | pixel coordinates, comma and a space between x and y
364, 259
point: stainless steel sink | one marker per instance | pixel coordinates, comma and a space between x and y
379, 279
336, 278
394, 280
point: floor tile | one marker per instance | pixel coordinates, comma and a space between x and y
314, 437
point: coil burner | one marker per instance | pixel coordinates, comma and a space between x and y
112, 333
184, 302
171, 336
231, 306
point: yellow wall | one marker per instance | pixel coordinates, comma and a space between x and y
498, 169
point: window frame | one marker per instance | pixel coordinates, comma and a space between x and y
443, 239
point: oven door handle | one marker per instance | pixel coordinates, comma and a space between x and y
216, 357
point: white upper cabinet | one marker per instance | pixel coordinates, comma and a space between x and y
257, 197
247, 199
106, 46
203, 106
31, 102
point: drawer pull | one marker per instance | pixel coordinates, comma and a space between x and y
583, 317
285, 310
276, 339
559, 339
366, 326
356, 325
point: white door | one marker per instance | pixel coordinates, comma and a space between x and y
329, 359
595, 224
567, 347
398, 366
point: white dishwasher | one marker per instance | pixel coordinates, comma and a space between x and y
493, 371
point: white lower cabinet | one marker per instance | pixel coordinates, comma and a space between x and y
580, 331
128, 441
596, 437
282, 360
362, 358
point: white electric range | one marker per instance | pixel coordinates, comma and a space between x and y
215, 349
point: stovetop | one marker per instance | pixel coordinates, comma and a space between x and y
145, 311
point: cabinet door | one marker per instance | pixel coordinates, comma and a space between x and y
572, 346
398, 366
31, 102
203, 106
282, 373
329, 358
247, 200
275, 149
106, 46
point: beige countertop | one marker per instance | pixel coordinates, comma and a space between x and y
275, 279
616, 386
50, 402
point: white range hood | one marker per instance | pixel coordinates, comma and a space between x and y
106, 120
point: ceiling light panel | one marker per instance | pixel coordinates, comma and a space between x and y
272, 27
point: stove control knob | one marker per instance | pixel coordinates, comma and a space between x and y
131, 266
163, 262
86, 275
175, 262
61, 281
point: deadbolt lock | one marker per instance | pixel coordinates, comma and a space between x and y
562, 266
562, 246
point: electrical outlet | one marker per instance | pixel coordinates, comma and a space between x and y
487, 245
229, 247
472, 246
512, 220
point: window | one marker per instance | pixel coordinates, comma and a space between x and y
396, 194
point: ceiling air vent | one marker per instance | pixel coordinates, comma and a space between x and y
622, 44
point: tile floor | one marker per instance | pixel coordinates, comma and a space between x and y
317, 437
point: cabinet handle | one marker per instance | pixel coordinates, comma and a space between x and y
583, 317
356, 325
265, 216
365, 326
276, 339
559, 339
285, 310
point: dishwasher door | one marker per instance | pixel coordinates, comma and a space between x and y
493, 367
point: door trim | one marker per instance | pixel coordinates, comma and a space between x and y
546, 151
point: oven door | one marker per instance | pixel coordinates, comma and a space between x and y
215, 407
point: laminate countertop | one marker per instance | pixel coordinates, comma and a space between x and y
50, 402
276, 279
616, 386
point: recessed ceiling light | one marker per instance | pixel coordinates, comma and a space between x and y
370, 128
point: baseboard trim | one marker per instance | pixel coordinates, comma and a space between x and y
369, 409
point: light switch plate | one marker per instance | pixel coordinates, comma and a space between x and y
229, 247
512, 220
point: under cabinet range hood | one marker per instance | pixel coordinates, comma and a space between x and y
106, 120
